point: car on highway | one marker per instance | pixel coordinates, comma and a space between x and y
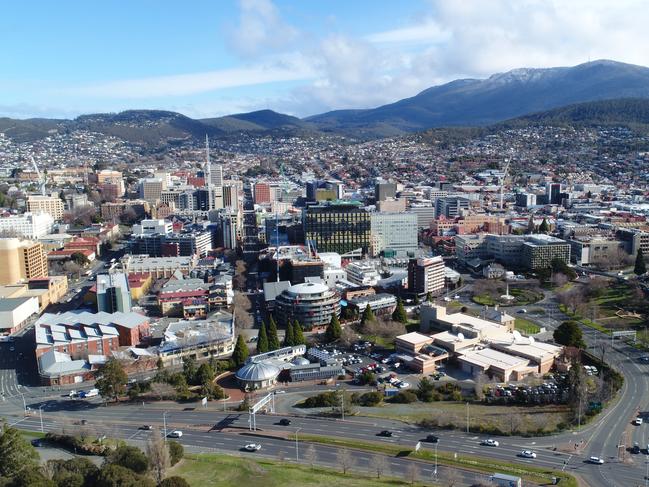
12, 349
527, 454
285, 422
146, 427
596, 460
252, 447
637, 421
175, 434
385, 433
522, 310
490, 442
432, 439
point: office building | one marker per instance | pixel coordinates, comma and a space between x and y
362, 273
312, 304
425, 213
27, 225
230, 197
451, 207
74, 201
148, 227
426, 275
52, 205
112, 211
341, 226
540, 250
216, 175
525, 200
396, 234
158, 267
21, 260
262, 193
113, 181
384, 190
151, 189
553, 193
113, 293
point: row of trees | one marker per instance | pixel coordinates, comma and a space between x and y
268, 339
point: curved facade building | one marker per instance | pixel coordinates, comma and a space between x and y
312, 304
257, 375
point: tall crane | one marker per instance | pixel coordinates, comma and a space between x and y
41, 177
502, 182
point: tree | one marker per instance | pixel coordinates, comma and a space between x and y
380, 465
112, 475
578, 390
71, 267
158, 455
334, 330
79, 259
130, 457
241, 352
569, 334
530, 225
273, 339
205, 374
189, 369
400, 314
35, 478
544, 227
426, 390
429, 297
367, 316
174, 481
74, 472
640, 266
416, 300
176, 452
16, 453
111, 379
262, 339
298, 336
289, 339
345, 459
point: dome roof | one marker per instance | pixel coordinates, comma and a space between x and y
257, 371
308, 288
300, 361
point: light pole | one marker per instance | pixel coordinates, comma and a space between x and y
164, 423
646, 475
435, 471
40, 413
467, 417
342, 405
22, 394
297, 456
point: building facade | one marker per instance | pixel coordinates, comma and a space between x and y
426, 275
52, 205
395, 232
312, 304
342, 227
21, 260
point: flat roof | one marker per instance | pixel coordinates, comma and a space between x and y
415, 338
488, 357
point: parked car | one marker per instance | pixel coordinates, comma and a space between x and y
252, 447
175, 434
489, 442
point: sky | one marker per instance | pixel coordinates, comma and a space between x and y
212, 58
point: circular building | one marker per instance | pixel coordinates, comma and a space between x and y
311, 303
300, 361
257, 375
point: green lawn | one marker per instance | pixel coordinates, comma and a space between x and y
526, 326
212, 470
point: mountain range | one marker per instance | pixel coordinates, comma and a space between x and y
465, 102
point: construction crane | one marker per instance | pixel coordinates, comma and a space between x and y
41, 177
502, 182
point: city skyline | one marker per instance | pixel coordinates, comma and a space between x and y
301, 59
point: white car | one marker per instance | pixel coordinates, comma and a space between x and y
252, 447
175, 434
403, 385
489, 442
596, 460
637, 421
528, 454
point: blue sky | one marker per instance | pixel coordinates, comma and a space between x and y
210, 58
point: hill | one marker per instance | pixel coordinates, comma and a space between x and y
256, 121
480, 102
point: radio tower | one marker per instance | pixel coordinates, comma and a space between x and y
208, 174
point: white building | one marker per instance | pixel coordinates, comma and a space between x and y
396, 232
149, 227
362, 273
28, 225
53, 205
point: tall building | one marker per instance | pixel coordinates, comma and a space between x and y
450, 207
426, 275
262, 193
74, 201
525, 200
151, 189
384, 190
217, 175
113, 181
21, 260
425, 213
52, 205
230, 197
27, 225
312, 304
395, 232
553, 192
113, 293
341, 226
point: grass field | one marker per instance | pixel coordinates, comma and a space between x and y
526, 326
212, 470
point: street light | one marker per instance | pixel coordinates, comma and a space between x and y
467, 417
297, 456
435, 471
164, 422
40, 413
22, 394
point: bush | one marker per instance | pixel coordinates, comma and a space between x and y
369, 399
74, 443
322, 400
176, 452
130, 457
174, 482
404, 397
112, 475
456, 396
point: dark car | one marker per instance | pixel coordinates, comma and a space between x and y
146, 427
37, 442
285, 422
385, 433
432, 439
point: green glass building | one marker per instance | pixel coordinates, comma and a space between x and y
338, 226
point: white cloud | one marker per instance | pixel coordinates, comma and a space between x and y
288, 68
260, 29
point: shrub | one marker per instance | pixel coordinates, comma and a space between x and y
369, 399
176, 452
404, 397
174, 481
130, 457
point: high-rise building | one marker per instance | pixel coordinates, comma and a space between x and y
450, 207
553, 192
425, 213
396, 232
384, 190
148, 227
21, 260
262, 193
27, 225
151, 189
340, 226
426, 275
113, 293
52, 205
230, 197
525, 200
217, 175
107, 177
